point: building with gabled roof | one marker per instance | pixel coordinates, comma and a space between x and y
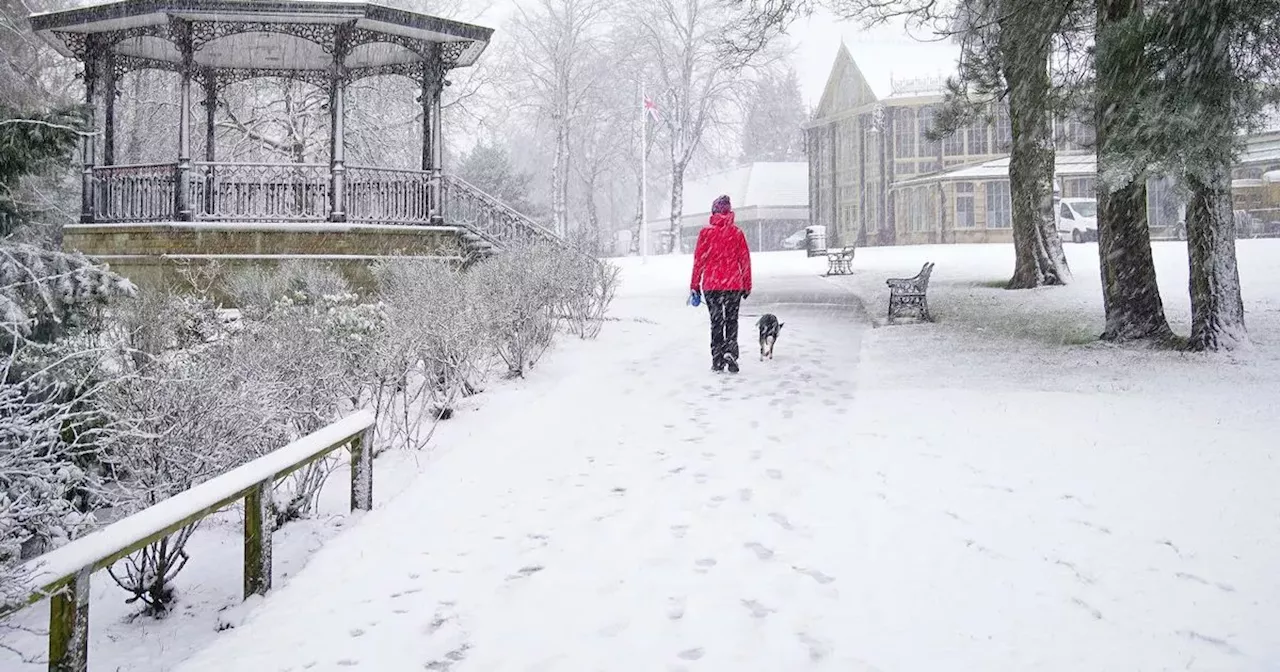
770, 198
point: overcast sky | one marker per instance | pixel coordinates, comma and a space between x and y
880, 53
884, 52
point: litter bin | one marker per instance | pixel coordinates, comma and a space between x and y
815, 240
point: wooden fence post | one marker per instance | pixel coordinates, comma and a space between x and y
362, 471
69, 625
258, 525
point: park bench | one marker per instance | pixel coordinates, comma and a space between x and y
840, 262
908, 294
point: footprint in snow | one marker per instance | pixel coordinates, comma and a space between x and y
678, 531
756, 609
816, 575
675, 608
528, 570
691, 654
762, 552
745, 494
818, 649
782, 521
775, 474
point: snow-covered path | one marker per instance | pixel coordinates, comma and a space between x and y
627, 512
921, 503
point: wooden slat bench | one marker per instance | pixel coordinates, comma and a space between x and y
908, 295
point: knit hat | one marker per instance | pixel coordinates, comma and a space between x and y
721, 205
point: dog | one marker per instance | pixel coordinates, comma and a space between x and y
769, 327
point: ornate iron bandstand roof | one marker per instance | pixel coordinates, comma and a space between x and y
310, 40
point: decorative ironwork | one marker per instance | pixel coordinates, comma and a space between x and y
225, 76
390, 196
413, 71
126, 64
877, 118
77, 43
204, 32
363, 36
162, 31
257, 192
136, 193
465, 205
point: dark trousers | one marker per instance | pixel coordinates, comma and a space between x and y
723, 306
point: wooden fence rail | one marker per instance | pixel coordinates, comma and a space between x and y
63, 574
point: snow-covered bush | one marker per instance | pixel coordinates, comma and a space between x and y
51, 371
436, 330
256, 291
45, 294
183, 422
589, 286
516, 292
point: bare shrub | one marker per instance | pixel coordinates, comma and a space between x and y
437, 331
514, 292
182, 423
590, 286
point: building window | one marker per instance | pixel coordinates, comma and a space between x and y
1003, 130
1079, 187
999, 205
977, 132
953, 145
965, 216
904, 133
924, 116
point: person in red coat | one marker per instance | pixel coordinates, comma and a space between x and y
722, 276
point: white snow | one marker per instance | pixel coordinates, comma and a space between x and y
995, 491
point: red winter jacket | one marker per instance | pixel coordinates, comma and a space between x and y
721, 261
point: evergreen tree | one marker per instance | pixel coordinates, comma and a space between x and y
488, 168
32, 143
775, 113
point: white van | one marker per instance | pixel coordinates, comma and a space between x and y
1078, 219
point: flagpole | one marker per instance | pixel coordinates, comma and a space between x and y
644, 178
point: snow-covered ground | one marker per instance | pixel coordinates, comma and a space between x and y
992, 492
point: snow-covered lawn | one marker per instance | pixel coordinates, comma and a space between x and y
995, 491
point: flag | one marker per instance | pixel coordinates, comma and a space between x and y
651, 108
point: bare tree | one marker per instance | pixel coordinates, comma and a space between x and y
696, 80
559, 39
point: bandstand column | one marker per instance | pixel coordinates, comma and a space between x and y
337, 148
210, 138
88, 142
111, 91
182, 185
432, 145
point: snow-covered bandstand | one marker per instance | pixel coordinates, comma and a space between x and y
145, 218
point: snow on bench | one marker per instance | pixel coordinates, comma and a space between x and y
909, 294
63, 573
840, 262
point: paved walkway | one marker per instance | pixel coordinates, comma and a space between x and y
624, 509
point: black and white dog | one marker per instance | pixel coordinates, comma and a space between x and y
769, 327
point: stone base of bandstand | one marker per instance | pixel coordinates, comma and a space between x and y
163, 255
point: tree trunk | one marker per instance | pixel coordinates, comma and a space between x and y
677, 205
1130, 294
1217, 308
559, 176
1024, 47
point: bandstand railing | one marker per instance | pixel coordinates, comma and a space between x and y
134, 193
295, 192
303, 192
390, 195
467, 206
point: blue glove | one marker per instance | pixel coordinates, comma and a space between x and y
695, 299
